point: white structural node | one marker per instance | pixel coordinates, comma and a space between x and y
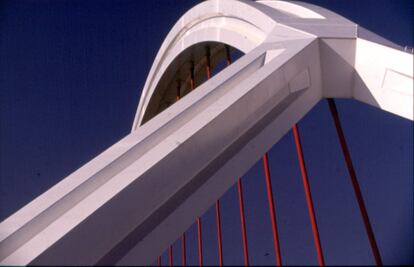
129, 203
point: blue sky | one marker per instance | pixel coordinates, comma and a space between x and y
71, 74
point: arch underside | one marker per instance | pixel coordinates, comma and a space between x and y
178, 74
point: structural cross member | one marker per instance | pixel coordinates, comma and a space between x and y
295, 55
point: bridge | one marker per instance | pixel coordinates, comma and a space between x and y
195, 134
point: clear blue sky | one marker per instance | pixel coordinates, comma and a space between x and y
71, 74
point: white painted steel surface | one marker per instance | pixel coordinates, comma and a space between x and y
130, 202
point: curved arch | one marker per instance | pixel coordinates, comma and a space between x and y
242, 25
235, 23
177, 76
245, 25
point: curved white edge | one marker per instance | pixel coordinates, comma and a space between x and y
243, 25
209, 21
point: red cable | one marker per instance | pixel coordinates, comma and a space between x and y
228, 55
240, 190
272, 210
183, 251
159, 260
178, 93
183, 248
355, 184
243, 223
308, 195
208, 67
220, 249
200, 244
219, 238
192, 83
170, 255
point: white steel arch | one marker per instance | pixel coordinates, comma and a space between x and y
296, 54
245, 25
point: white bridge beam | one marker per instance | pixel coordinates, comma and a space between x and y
217, 132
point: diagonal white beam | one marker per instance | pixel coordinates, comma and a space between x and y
98, 216
286, 95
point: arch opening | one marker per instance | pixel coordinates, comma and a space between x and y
188, 67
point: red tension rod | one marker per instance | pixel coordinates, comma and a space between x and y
208, 66
308, 195
200, 244
183, 245
178, 91
170, 254
183, 250
240, 191
192, 83
243, 223
220, 248
218, 221
272, 210
228, 55
198, 220
354, 180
